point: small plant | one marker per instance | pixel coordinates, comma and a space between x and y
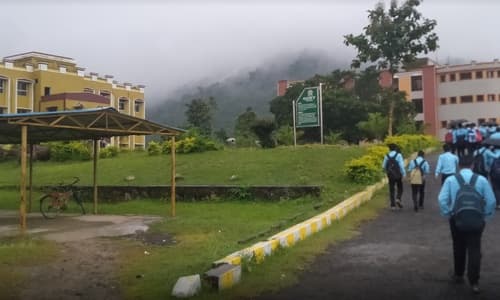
241, 193
108, 152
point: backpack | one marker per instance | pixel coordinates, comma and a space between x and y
392, 168
479, 136
471, 136
495, 169
448, 138
478, 165
417, 175
461, 139
468, 210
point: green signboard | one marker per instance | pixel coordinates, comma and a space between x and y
308, 108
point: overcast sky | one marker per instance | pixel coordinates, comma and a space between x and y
164, 44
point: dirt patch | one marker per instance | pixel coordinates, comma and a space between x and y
87, 264
154, 238
84, 270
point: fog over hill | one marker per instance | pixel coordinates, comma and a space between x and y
252, 88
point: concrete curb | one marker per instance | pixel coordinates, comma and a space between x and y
299, 232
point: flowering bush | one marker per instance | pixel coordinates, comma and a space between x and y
368, 168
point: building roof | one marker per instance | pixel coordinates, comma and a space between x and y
77, 125
39, 55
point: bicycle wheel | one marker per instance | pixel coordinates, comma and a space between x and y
49, 207
78, 200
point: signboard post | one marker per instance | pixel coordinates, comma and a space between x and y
308, 111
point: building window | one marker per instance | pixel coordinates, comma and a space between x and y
453, 77
52, 108
442, 78
491, 98
46, 91
22, 88
105, 94
416, 83
492, 120
23, 111
490, 74
444, 124
465, 76
453, 100
443, 101
122, 104
137, 106
419, 105
480, 98
481, 121
3, 110
498, 73
2, 84
479, 74
466, 99
88, 90
78, 106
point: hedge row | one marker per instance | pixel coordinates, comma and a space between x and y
368, 168
189, 144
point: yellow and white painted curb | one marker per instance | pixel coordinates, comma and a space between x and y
298, 232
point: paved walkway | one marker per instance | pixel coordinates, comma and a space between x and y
400, 255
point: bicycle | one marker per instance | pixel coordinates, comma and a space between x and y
56, 200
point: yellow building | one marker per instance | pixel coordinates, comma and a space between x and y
38, 82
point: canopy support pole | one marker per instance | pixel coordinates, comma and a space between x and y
96, 154
172, 191
30, 195
22, 207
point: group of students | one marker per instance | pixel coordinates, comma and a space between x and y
465, 138
470, 192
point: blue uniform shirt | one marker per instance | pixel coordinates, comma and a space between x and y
426, 169
447, 164
460, 132
488, 156
399, 159
449, 190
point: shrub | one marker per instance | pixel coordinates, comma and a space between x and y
154, 148
62, 151
368, 168
108, 152
191, 142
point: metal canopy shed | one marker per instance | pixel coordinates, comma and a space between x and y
84, 124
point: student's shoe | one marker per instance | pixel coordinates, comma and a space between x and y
498, 207
456, 279
475, 288
421, 206
398, 203
415, 209
393, 208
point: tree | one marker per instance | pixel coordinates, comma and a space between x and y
243, 128
199, 114
263, 129
392, 38
374, 127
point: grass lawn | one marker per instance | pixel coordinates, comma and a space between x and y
209, 230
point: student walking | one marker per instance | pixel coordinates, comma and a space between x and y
393, 165
460, 138
447, 164
417, 170
468, 201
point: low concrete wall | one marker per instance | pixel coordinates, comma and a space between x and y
198, 192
